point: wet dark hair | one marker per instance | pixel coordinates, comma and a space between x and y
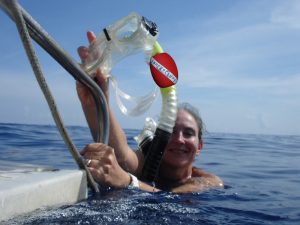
195, 113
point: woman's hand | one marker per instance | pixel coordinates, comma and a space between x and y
83, 92
104, 167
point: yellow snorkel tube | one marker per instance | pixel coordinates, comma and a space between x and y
133, 34
169, 98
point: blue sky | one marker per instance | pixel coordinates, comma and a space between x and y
238, 61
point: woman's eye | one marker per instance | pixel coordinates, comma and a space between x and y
188, 133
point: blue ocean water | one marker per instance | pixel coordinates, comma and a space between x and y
260, 172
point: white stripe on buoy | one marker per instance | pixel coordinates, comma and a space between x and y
163, 70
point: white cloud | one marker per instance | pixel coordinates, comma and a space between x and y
249, 55
287, 14
245, 68
283, 84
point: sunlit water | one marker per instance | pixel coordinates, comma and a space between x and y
261, 175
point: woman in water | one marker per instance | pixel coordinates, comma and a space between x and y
117, 165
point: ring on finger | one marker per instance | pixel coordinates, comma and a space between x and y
88, 162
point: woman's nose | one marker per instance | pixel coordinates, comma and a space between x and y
179, 137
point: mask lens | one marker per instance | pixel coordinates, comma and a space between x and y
127, 30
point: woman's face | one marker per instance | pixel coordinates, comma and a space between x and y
184, 143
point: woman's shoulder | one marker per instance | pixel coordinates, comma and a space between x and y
200, 181
206, 178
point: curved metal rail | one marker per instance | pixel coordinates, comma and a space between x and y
28, 26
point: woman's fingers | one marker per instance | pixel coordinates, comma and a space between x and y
92, 163
83, 52
99, 156
98, 176
96, 149
101, 78
101, 162
102, 81
90, 36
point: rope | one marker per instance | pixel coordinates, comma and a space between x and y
24, 34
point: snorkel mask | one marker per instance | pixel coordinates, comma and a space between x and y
127, 36
130, 35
